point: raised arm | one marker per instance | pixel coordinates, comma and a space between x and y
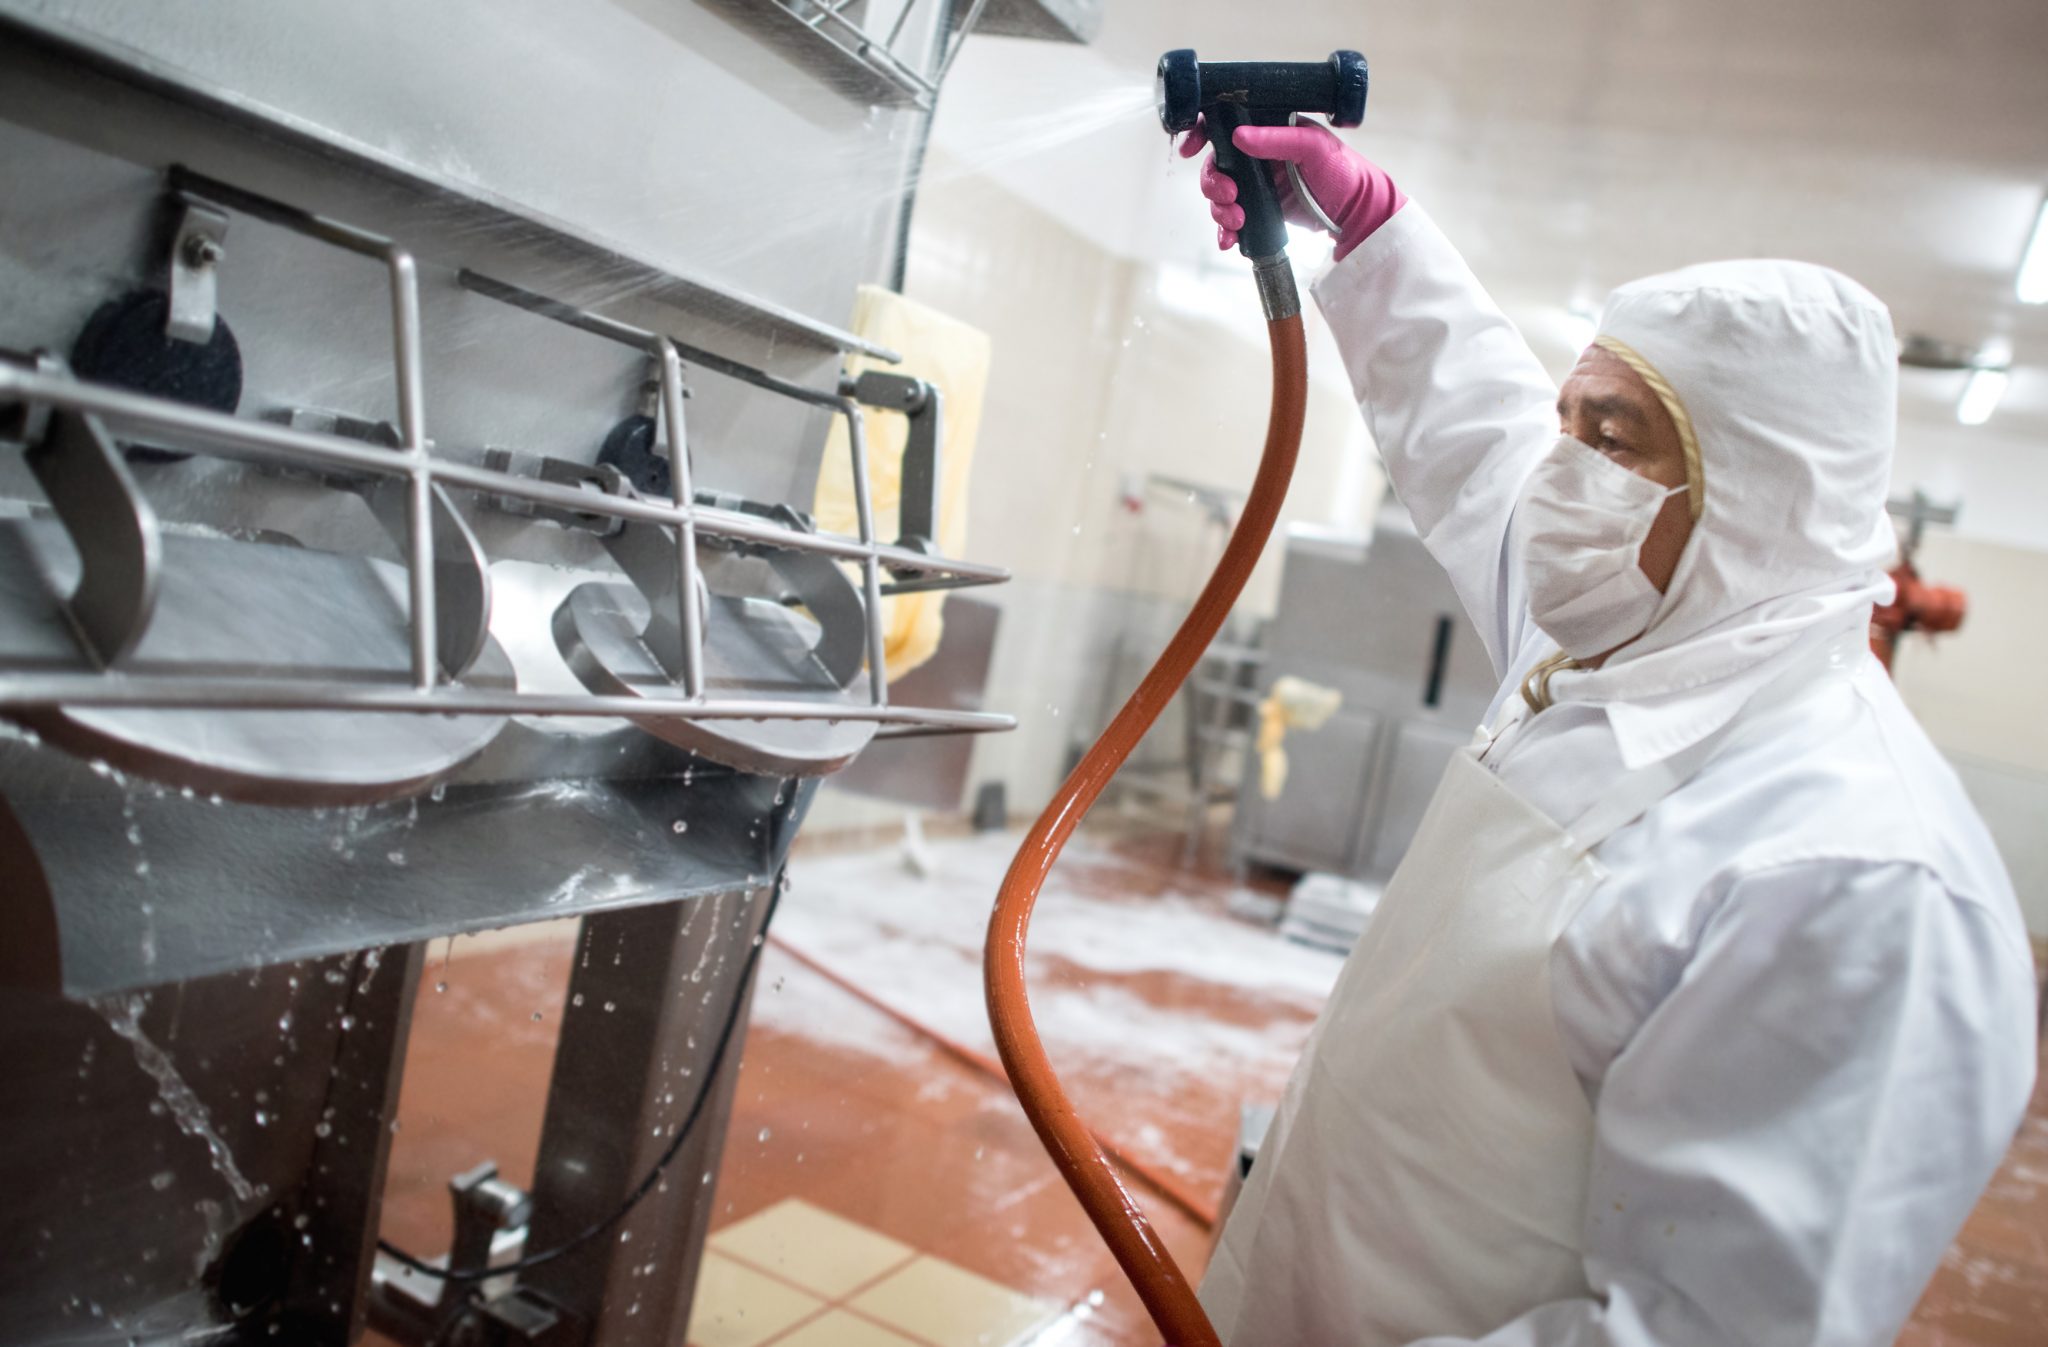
1459, 406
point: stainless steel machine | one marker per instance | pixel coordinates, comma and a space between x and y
1415, 681
408, 416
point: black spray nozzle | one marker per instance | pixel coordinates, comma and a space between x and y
1230, 94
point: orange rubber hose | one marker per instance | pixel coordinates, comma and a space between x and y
1160, 1284
1201, 1212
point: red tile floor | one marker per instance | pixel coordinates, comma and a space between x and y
1162, 1010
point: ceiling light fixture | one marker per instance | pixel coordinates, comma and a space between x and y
2031, 285
1980, 396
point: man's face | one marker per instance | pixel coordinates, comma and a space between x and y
1605, 404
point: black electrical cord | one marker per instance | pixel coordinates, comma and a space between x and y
646, 1185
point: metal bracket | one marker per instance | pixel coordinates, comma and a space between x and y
917, 520
462, 586
600, 479
195, 266
120, 547
491, 1221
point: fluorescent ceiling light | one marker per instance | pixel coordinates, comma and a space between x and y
2031, 285
1980, 396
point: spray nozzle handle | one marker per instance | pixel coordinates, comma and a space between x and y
1230, 94
1264, 232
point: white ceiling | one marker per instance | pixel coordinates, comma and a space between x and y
1567, 147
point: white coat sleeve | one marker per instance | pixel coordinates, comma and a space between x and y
1794, 1136
1458, 405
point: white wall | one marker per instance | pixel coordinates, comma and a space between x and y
1980, 694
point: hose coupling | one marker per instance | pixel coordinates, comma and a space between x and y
1277, 292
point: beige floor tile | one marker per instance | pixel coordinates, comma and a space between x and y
739, 1307
810, 1246
949, 1306
840, 1329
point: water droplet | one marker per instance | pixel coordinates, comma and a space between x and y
162, 1179
610, 1006
441, 986
395, 857
348, 1022
439, 792
323, 1128
765, 1134
577, 999
262, 1118
681, 826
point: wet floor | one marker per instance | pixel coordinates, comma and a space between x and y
879, 1187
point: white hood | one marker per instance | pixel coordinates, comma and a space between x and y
1789, 373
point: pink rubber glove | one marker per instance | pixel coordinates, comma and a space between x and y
1355, 191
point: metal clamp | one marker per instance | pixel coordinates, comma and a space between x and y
917, 520
196, 252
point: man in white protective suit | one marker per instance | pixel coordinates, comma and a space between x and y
1700, 1010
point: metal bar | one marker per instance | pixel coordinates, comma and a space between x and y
224, 436
626, 334
868, 52
896, 28
686, 527
959, 41
200, 430
891, 588
343, 1190
345, 236
871, 571
412, 429
236, 694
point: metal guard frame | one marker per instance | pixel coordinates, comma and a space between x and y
201, 431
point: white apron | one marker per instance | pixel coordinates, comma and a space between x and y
1426, 1173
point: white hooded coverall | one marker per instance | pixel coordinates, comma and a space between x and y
1799, 999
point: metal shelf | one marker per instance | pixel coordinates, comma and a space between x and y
874, 55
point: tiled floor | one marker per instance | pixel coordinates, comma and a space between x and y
795, 1273
877, 1191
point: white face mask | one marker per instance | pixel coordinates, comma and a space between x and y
1579, 527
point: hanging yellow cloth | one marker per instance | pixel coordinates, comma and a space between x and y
955, 358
